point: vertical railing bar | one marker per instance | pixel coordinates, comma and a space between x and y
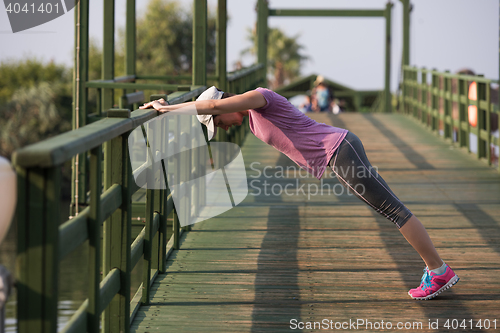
148, 237
164, 195
467, 91
446, 106
480, 119
22, 260
94, 224
461, 112
52, 199
176, 229
488, 121
126, 220
32, 281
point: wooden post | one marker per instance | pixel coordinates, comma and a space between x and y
423, 96
406, 32
38, 255
262, 35
94, 223
108, 52
222, 44
130, 39
200, 42
79, 186
435, 100
487, 124
447, 107
148, 236
481, 121
462, 109
117, 236
387, 89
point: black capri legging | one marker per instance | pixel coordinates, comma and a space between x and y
355, 172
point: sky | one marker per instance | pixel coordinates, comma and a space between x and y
445, 35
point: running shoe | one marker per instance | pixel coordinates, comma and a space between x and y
433, 284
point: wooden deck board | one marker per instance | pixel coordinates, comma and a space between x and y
314, 257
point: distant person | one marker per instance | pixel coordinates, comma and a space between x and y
321, 95
314, 147
306, 106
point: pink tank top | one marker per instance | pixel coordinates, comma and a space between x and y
309, 144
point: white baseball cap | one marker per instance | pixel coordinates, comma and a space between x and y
208, 119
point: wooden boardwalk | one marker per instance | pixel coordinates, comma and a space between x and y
320, 258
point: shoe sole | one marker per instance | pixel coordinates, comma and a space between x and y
448, 285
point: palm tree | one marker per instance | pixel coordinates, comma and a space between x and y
283, 56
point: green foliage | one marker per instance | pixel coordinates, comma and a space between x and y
284, 57
164, 40
35, 102
33, 114
28, 73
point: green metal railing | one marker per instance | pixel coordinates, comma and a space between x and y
441, 101
43, 241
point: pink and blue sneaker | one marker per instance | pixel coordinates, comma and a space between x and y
433, 284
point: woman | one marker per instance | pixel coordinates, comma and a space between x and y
314, 146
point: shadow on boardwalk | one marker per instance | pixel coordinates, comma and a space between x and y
328, 258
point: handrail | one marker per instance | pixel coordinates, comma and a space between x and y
132, 85
443, 105
59, 149
43, 243
244, 72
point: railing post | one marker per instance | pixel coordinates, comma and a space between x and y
130, 39
423, 96
416, 88
148, 236
402, 105
108, 52
200, 42
406, 32
481, 121
221, 44
411, 91
447, 105
38, 256
39, 284
176, 229
117, 234
163, 209
94, 225
79, 186
467, 88
435, 101
462, 109
262, 36
387, 91
488, 121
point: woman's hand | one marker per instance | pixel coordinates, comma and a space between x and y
154, 104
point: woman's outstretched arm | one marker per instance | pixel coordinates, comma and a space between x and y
249, 100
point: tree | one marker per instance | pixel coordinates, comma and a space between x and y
33, 114
164, 39
29, 73
283, 54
